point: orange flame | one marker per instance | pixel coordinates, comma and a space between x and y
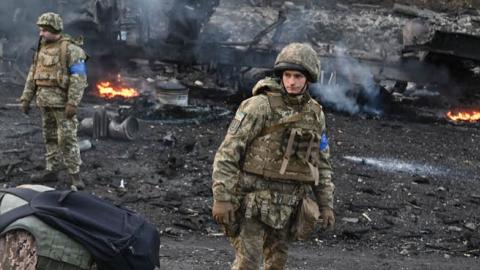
466, 116
107, 90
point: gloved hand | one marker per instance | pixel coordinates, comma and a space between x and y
70, 110
223, 212
25, 107
328, 218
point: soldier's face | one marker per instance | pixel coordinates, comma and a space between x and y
48, 36
294, 81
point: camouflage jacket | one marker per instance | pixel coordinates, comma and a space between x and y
70, 81
255, 114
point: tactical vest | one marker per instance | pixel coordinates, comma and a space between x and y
51, 68
58, 248
288, 147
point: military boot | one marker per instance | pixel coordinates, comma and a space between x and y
45, 176
77, 182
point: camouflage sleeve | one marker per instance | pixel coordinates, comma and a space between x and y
29, 90
324, 191
18, 250
248, 122
77, 72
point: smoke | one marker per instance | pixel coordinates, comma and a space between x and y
18, 23
17, 28
336, 97
349, 88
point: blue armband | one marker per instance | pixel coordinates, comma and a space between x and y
323, 142
78, 68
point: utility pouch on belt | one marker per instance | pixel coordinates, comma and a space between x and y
271, 208
307, 216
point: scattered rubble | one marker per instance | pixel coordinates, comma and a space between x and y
406, 178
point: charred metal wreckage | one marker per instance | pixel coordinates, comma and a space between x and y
237, 41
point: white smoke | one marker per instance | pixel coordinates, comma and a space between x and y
340, 94
336, 96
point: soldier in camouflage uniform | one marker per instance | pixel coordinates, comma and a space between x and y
30, 244
58, 78
274, 154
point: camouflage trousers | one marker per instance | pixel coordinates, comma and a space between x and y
256, 238
60, 138
18, 252
264, 214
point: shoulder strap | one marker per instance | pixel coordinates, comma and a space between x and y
275, 100
317, 108
63, 55
20, 212
23, 193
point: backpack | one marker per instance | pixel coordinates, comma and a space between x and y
117, 238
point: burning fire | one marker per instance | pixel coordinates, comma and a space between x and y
465, 115
109, 91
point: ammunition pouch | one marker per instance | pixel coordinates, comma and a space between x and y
51, 65
301, 145
272, 208
287, 148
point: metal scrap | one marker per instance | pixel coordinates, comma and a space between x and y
28, 132
101, 125
417, 12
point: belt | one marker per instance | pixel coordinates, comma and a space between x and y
281, 186
50, 109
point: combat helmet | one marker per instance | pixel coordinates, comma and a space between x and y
51, 20
298, 56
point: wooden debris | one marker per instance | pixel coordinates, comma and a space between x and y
437, 247
220, 234
365, 6
341, 6
454, 229
362, 205
475, 198
366, 217
13, 151
24, 133
13, 105
422, 180
355, 233
416, 12
471, 226
350, 220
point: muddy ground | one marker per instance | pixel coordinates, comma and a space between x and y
408, 192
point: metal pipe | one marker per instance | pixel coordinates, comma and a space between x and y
126, 130
86, 125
